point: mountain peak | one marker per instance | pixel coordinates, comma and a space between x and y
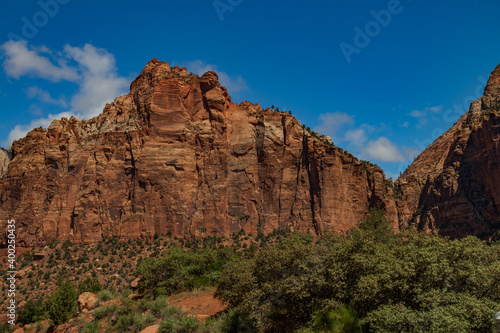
451, 186
492, 88
177, 155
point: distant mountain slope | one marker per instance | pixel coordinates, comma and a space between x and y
453, 187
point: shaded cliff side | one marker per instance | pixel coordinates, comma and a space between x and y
176, 155
453, 187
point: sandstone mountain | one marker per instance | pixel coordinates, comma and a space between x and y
453, 187
176, 155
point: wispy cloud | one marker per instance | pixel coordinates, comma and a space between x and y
422, 115
92, 69
356, 136
404, 124
332, 122
44, 96
232, 83
383, 150
21, 60
367, 140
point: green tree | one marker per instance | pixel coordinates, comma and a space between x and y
90, 284
62, 304
375, 226
33, 311
342, 320
370, 279
280, 288
183, 270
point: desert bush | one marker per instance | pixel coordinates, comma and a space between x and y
33, 311
181, 324
90, 284
105, 295
62, 304
134, 322
182, 270
6, 328
92, 327
159, 306
229, 322
105, 311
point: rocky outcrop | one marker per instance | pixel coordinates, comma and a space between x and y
4, 161
453, 187
151, 329
177, 155
87, 301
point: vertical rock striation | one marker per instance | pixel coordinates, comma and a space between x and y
177, 155
4, 161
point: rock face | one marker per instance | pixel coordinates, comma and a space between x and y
87, 301
4, 161
176, 155
453, 187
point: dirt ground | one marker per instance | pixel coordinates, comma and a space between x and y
200, 303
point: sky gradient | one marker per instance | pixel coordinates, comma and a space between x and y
382, 78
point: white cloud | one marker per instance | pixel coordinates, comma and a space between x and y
332, 122
435, 109
356, 137
21, 60
92, 69
383, 150
100, 81
417, 113
421, 115
20, 131
232, 84
426, 111
44, 96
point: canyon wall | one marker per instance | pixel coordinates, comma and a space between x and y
177, 155
453, 187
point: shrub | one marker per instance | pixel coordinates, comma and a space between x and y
134, 322
105, 311
345, 319
33, 311
105, 295
180, 270
159, 305
90, 284
6, 328
231, 321
62, 304
180, 325
92, 327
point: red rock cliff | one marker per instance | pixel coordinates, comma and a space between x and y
4, 161
175, 154
453, 187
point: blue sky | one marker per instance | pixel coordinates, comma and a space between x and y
382, 78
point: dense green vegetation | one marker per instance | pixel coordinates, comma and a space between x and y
369, 281
183, 270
